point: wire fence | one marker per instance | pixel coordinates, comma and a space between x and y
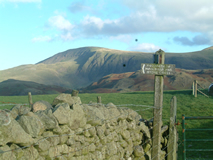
12, 103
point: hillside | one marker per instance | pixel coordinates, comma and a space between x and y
77, 68
135, 81
13, 87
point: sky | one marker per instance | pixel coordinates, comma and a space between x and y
33, 30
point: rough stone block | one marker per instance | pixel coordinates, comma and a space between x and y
41, 105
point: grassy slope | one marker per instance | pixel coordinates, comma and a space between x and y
16, 88
186, 104
50, 74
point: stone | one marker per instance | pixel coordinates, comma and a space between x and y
114, 157
123, 143
148, 155
162, 154
100, 131
125, 134
131, 125
53, 140
112, 112
77, 117
92, 147
41, 105
47, 118
164, 129
19, 110
98, 155
133, 115
66, 98
62, 114
42, 144
111, 149
66, 130
147, 147
6, 155
145, 129
94, 116
4, 118
75, 92
17, 151
31, 125
138, 151
140, 158
12, 132
30, 153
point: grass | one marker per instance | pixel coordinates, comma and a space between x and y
186, 104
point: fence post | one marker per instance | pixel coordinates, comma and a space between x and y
195, 81
75, 93
99, 99
30, 99
193, 88
172, 143
184, 137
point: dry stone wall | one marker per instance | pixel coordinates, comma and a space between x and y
70, 130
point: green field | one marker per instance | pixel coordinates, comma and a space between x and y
186, 104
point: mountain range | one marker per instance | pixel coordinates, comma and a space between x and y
85, 67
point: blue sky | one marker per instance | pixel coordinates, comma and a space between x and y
33, 30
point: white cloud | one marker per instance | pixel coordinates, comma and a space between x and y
122, 38
145, 47
79, 7
60, 23
196, 40
42, 39
144, 16
97, 22
154, 16
66, 36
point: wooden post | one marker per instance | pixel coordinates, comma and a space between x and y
172, 143
99, 99
158, 104
195, 81
30, 100
159, 69
193, 88
75, 93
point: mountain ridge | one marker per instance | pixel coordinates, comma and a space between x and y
78, 68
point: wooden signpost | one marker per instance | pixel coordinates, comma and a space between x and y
159, 69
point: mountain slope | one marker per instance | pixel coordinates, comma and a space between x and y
76, 68
13, 87
135, 81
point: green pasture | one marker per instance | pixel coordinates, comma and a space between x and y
186, 104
